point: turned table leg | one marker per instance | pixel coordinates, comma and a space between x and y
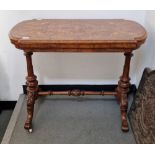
32, 91
122, 91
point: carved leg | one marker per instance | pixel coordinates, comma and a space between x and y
32, 91
122, 91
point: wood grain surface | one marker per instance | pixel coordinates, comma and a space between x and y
75, 34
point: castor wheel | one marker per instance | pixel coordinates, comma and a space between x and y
28, 127
125, 127
30, 130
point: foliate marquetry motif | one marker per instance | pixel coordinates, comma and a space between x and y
142, 113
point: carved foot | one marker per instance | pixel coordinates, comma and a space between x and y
28, 124
123, 108
125, 127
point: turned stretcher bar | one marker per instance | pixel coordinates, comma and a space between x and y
75, 93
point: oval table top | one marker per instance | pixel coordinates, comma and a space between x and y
78, 35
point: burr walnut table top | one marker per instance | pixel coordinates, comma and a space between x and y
78, 35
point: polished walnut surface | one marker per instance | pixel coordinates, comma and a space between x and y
78, 34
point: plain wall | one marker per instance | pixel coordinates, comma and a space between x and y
65, 68
146, 57
150, 45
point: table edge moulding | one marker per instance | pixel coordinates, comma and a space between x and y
78, 35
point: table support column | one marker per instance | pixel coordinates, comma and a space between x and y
122, 91
32, 91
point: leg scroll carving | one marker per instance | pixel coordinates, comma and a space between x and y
32, 91
30, 108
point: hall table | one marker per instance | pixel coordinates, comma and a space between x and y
78, 35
